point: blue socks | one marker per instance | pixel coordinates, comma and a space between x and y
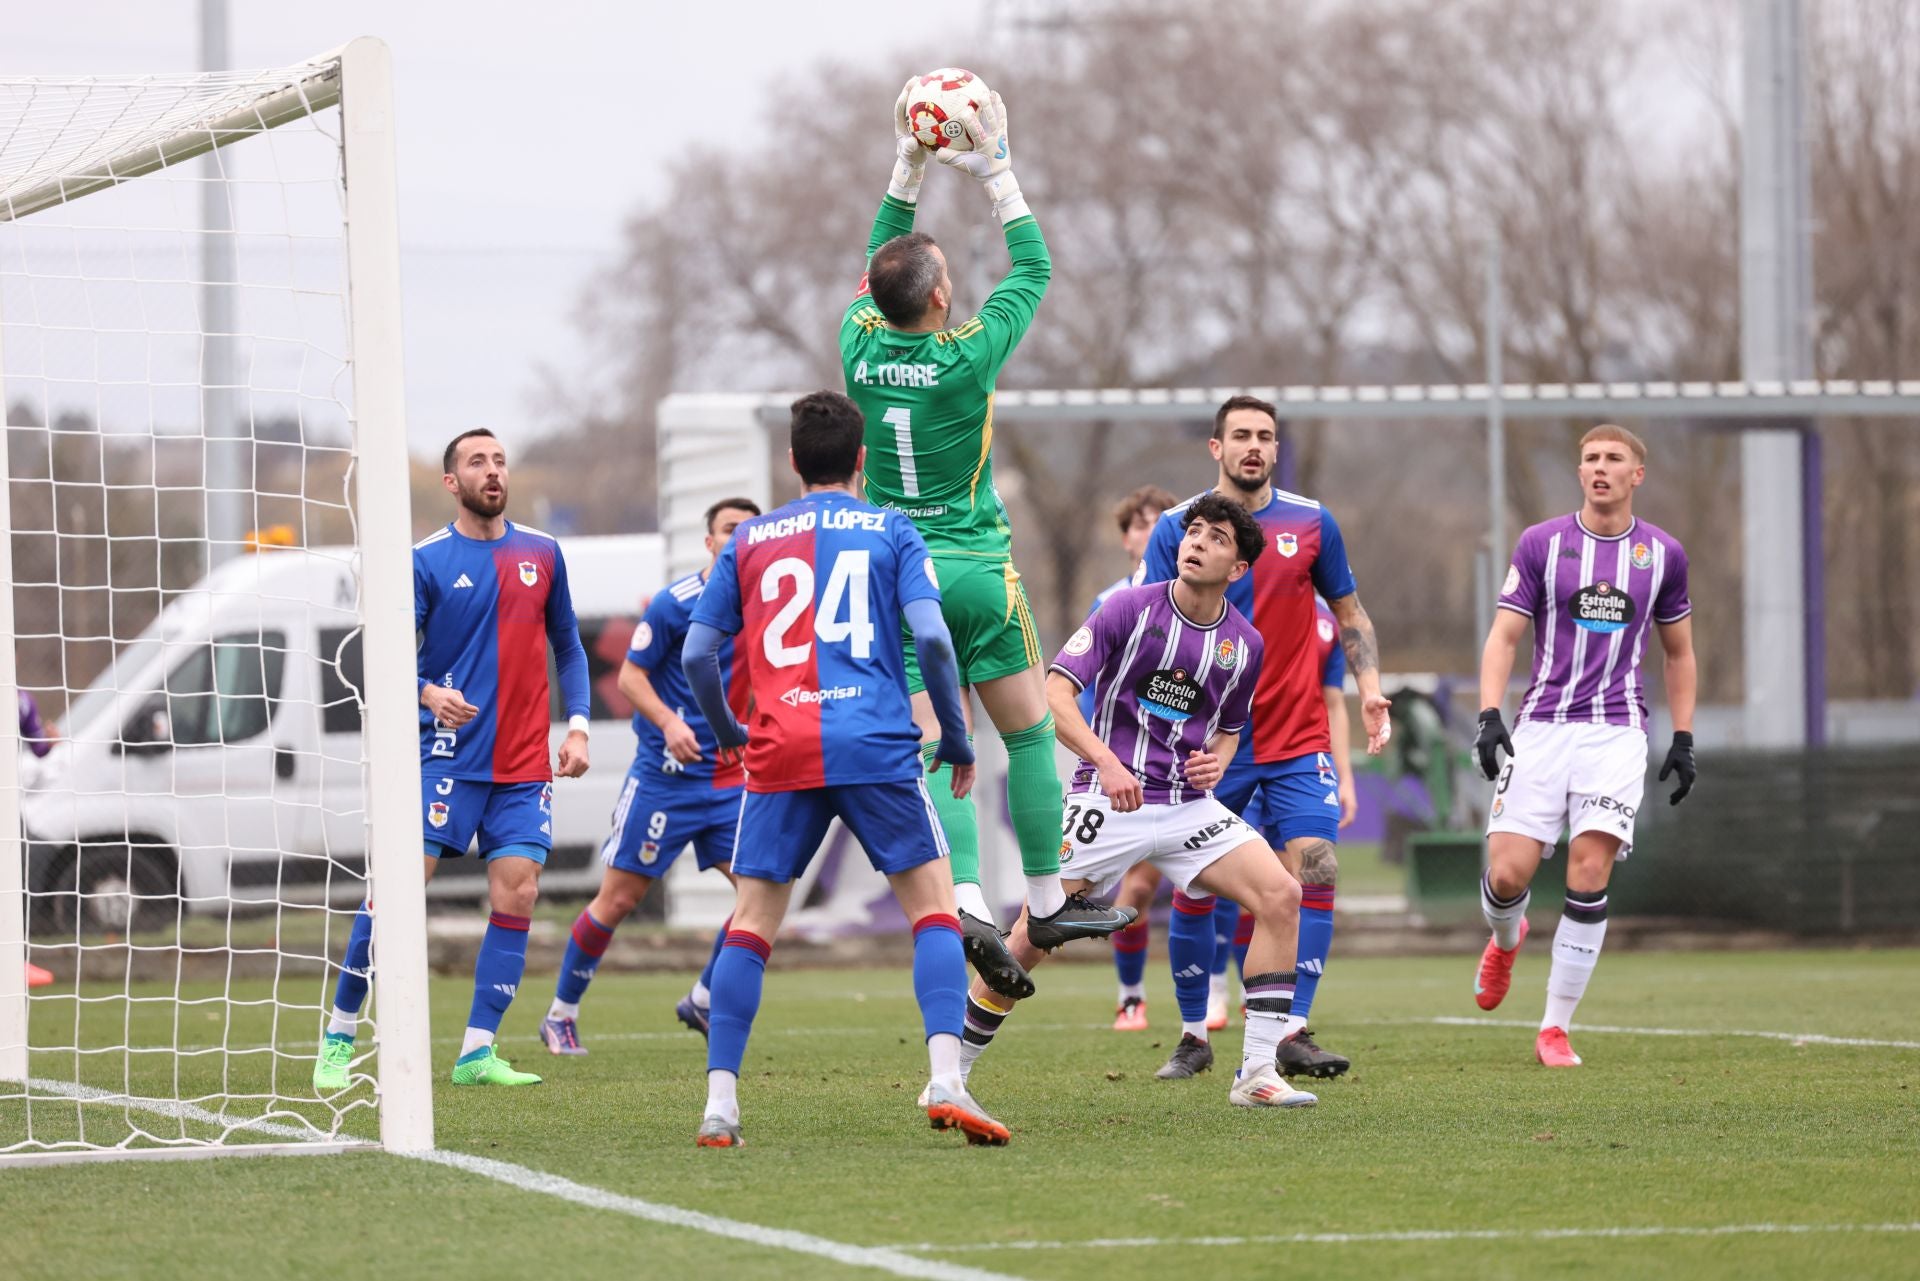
350, 993
497, 970
1316, 940
738, 975
585, 946
1226, 918
940, 973
1190, 954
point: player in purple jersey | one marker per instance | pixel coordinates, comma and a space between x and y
1593, 585
677, 793
490, 599
1176, 666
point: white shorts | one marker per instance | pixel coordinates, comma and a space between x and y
1098, 845
1577, 777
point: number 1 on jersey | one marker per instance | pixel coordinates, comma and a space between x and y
900, 418
846, 587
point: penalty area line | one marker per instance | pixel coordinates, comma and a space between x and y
882, 1258
1427, 1236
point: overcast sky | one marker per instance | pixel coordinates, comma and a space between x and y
526, 133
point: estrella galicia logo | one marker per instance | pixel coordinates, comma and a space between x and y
1602, 607
1168, 693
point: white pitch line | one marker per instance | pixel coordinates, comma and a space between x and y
1434, 1235
1792, 1038
883, 1258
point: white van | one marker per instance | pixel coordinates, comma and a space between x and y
216, 759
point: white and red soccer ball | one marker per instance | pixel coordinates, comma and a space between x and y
940, 105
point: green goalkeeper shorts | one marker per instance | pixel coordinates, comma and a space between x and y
986, 610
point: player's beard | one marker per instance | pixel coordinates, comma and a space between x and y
477, 502
1249, 485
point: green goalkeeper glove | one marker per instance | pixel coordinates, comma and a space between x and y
910, 158
991, 161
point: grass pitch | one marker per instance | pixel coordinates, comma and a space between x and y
1447, 1152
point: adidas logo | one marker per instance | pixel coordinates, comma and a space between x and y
1191, 972
462, 581
507, 988
1310, 967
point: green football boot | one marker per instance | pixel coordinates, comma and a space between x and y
484, 1067
336, 1057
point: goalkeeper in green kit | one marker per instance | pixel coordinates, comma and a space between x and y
925, 386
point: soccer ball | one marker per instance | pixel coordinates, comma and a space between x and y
940, 105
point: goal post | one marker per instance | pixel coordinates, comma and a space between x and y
234, 765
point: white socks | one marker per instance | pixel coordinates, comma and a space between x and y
1132, 992
971, 901
1264, 1034
1197, 1030
1503, 918
343, 1023
723, 1096
475, 1039
1044, 895
943, 1052
561, 1010
1576, 949
701, 995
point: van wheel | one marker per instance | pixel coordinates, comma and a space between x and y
120, 890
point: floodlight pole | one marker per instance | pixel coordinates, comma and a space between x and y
1783, 592
1496, 341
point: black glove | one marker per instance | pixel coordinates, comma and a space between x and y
1493, 735
1680, 760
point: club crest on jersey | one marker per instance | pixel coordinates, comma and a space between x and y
529, 573
1642, 556
649, 851
1225, 655
1602, 607
1326, 629
1286, 544
437, 813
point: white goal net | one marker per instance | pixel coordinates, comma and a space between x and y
207, 616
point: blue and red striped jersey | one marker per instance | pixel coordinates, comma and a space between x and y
812, 593
655, 650
1304, 554
485, 613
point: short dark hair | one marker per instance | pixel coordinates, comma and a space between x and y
453, 446
1218, 509
1147, 498
900, 275
734, 504
1232, 403
825, 438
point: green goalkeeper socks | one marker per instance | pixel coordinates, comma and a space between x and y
956, 818
1033, 797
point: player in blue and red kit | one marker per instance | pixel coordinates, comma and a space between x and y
678, 792
489, 597
1284, 762
815, 592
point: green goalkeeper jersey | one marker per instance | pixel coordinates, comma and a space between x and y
928, 398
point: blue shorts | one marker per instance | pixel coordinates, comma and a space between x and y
656, 817
454, 810
1285, 800
894, 822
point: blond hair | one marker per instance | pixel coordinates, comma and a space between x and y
1619, 434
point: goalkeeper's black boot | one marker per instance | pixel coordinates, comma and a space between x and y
986, 949
1299, 1056
1078, 918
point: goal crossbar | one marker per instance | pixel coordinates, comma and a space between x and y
304, 97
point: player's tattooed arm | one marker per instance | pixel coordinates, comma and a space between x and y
1363, 660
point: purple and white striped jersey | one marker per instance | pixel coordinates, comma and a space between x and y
1165, 683
1592, 601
